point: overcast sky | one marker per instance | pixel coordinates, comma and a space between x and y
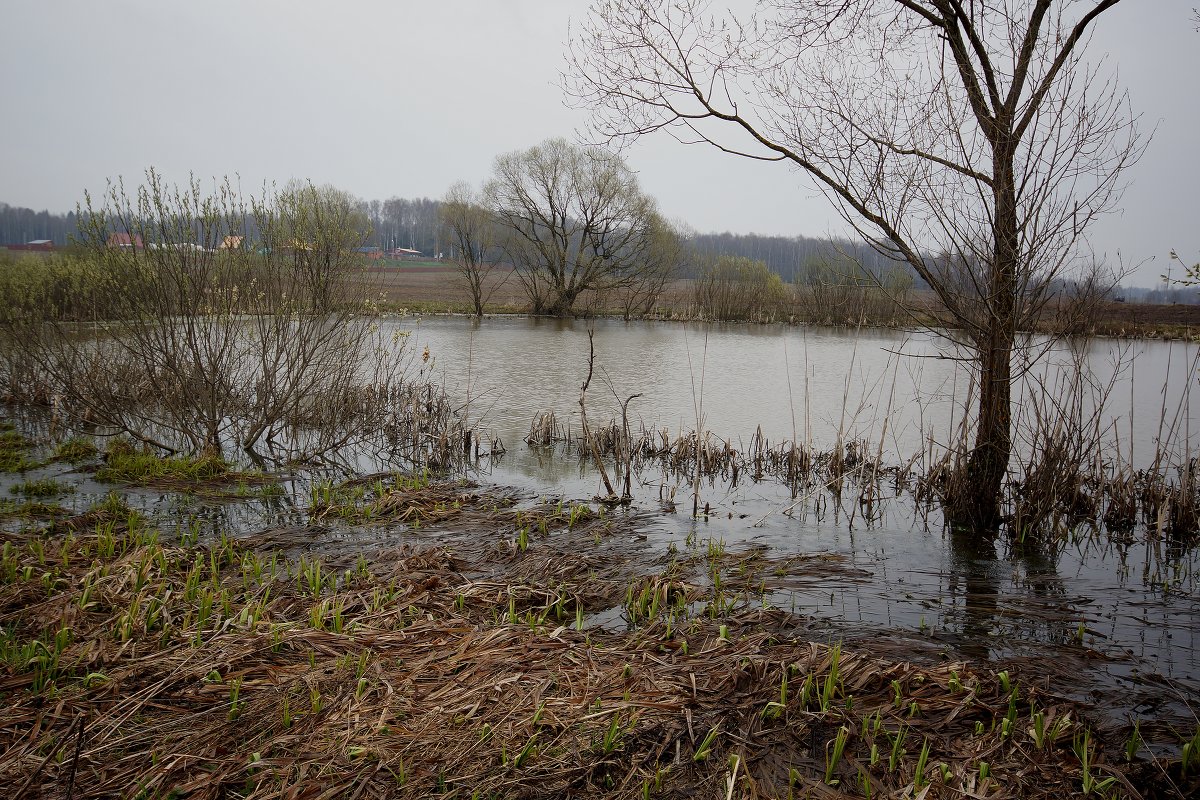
403, 98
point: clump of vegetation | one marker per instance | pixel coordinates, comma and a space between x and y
76, 450
55, 283
42, 487
111, 506
14, 451
842, 292
124, 463
738, 288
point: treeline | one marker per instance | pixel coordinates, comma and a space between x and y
398, 222
414, 223
21, 225
406, 223
1160, 295
798, 259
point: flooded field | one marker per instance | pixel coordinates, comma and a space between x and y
1132, 598
798, 383
1104, 620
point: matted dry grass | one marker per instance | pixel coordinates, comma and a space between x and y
136, 667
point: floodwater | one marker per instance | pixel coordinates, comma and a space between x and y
795, 383
1118, 615
1128, 607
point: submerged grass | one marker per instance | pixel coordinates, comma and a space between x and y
41, 487
30, 509
76, 450
14, 450
207, 474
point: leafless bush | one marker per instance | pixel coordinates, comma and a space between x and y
219, 322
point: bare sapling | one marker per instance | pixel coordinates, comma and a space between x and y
588, 439
698, 406
625, 453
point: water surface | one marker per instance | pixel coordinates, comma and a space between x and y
1136, 600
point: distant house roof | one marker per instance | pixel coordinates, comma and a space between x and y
232, 242
404, 251
122, 239
41, 242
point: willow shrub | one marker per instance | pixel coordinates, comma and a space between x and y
735, 288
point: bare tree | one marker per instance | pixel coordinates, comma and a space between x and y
970, 129
575, 220
639, 292
472, 232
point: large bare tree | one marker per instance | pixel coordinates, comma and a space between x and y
968, 138
575, 221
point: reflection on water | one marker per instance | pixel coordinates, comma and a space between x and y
973, 577
1134, 600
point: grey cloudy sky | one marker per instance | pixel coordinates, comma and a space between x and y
404, 98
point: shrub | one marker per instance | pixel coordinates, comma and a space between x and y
739, 288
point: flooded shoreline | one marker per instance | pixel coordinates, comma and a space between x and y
403, 609
838, 554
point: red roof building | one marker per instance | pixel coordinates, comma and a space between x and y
125, 240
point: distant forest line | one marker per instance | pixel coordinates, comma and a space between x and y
414, 223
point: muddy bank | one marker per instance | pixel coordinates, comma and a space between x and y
409, 638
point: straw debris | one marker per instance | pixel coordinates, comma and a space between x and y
130, 665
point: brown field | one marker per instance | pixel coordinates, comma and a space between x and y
433, 288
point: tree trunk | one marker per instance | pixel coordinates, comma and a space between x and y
476, 282
976, 504
564, 303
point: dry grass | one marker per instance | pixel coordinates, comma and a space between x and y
135, 667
